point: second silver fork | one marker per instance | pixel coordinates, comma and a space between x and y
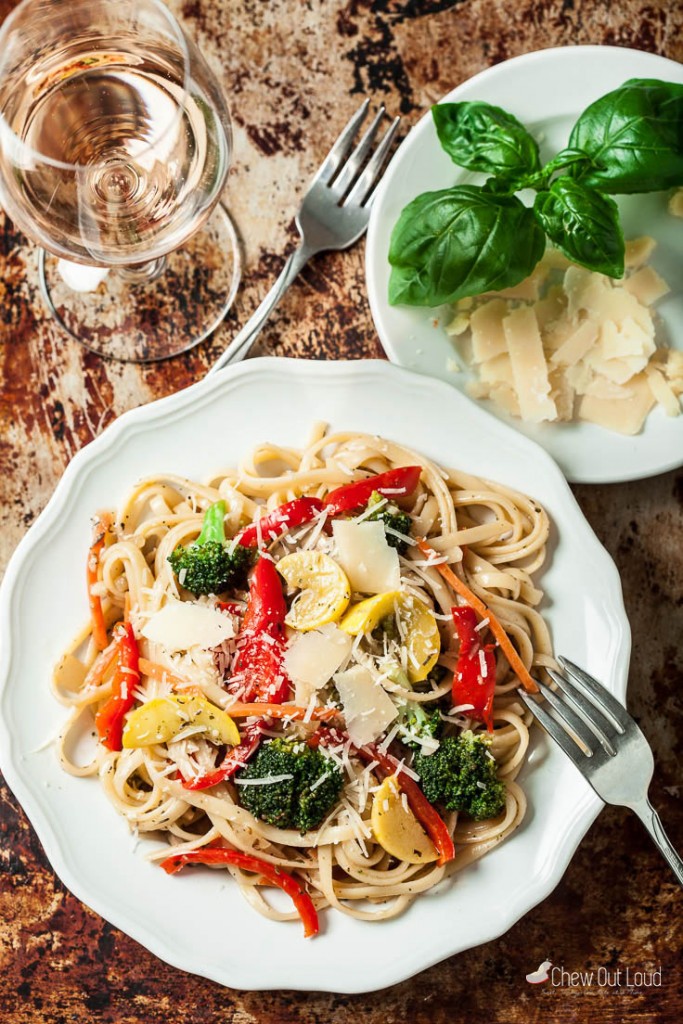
597, 733
334, 214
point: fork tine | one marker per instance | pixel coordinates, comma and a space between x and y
586, 711
370, 175
332, 161
348, 172
576, 726
598, 695
571, 749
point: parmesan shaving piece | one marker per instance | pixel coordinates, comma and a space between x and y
623, 417
368, 709
574, 343
676, 203
371, 565
311, 659
529, 368
662, 392
646, 285
181, 625
638, 251
488, 336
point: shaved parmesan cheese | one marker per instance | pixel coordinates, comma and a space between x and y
458, 325
577, 344
646, 285
370, 564
312, 659
637, 251
586, 343
506, 398
623, 417
367, 707
488, 337
662, 392
529, 368
676, 203
674, 367
180, 625
497, 370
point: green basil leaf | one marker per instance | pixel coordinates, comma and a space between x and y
485, 138
461, 241
583, 224
634, 137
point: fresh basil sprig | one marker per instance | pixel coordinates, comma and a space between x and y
470, 239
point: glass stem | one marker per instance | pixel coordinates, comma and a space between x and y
143, 273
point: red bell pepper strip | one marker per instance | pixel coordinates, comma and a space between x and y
109, 719
235, 759
396, 483
259, 668
279, 521
101, 528
474, 679
266, 608
429, 818
273, 874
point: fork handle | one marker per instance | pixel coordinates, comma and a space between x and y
650, 819
243, 341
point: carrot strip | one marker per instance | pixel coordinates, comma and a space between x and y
279, 711
154, 670
101, 528
516, 663
100, 666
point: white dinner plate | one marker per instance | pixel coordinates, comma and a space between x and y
198, 921
546, 91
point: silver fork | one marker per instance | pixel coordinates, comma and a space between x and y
605, 744
334, 214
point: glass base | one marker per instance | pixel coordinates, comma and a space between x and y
155, 311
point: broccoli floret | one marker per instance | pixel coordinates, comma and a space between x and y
301, 801
208, 565
417, 727
461, 775
394, 519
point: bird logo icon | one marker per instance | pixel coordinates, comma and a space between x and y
540, 974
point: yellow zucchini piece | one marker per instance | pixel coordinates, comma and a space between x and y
367, 615
324, 590
420, 633
159, 720
397, 829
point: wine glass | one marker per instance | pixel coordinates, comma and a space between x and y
115, 142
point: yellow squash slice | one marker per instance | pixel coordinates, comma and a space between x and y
159, 720
419, 631
324, 590
397, 829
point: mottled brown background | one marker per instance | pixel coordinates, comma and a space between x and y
294, 72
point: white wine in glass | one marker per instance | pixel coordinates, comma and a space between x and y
115, 144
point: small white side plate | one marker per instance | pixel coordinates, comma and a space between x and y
546, 91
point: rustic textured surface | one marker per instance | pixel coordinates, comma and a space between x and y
293, 70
